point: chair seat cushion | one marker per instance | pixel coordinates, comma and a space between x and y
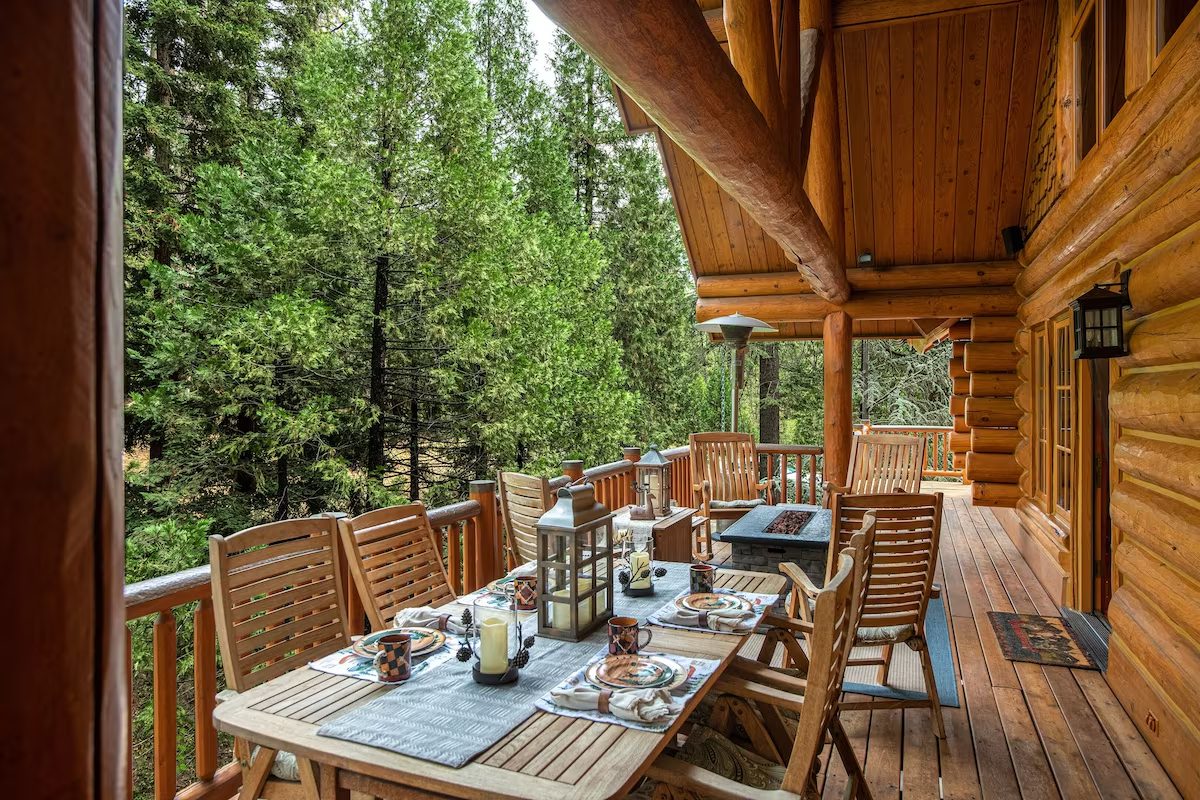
889, 634
709, 750
758, 501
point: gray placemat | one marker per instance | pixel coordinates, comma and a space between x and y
444, 716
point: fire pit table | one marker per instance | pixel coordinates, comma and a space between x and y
770, 535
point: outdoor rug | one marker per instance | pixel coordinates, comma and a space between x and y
906, 681
1040, 640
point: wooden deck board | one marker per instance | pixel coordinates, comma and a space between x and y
1023, 730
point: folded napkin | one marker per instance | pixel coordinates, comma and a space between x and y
634, 705
730, 620
428, 617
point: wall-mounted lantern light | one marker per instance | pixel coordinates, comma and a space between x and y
1098, 320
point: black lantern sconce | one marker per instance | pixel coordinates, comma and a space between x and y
1099, 322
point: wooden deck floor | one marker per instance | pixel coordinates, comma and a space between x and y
1023, 730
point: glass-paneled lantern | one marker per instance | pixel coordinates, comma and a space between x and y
652, 486
574, 565
1098, 321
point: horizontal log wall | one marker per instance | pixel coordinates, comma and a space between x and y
990, 360
1136, 198
960, 437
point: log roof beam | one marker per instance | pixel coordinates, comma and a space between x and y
663, 55
927, 276
907, 304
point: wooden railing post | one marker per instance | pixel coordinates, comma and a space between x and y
165, 705
489, 551
204, 670
573, 470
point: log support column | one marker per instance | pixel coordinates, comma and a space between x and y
839, 417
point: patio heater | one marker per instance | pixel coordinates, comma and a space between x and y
735, 329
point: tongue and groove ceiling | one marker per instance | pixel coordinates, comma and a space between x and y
935, 119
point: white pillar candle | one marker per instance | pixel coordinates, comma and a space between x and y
493, 646
561, 615
639, 568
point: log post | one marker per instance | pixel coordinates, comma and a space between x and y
839, 420
752, 52
822, 169
573, 470
489, 553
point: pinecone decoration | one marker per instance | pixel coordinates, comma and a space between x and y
528, 643
660, 571
623, 577
521, 659
463, 654
466, 617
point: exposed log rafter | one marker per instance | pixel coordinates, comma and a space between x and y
665, 58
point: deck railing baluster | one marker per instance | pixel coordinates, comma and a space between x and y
165, 705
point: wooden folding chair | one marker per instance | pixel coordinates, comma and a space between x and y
523, 500
899, 582
725, 471
691, 774
881, 463
395, 562
277, 598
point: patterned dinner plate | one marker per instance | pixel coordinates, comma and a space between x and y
423, 640
501, 585
636, 672
711, 601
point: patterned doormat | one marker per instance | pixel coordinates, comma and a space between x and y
1041, 640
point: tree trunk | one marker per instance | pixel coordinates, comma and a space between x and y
281, 489
768, 394
160, 95
414, 441
376, 453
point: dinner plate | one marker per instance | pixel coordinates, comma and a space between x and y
423, 640
711, 601
636, 672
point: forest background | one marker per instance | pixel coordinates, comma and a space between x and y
372, 254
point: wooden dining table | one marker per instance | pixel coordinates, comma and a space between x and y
546, 756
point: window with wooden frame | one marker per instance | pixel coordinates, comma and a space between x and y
1097, 62
1041, 425
1169, 17
1061, 389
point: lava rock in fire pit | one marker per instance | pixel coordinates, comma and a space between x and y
789, 522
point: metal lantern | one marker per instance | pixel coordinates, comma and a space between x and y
1098, 321
652, 484
574, 565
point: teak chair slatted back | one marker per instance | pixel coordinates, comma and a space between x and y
277, 594
724, 467
829, 648
523, 500
395, 561
907, 534
885, 462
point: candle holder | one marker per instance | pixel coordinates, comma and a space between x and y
469, 647
637, 578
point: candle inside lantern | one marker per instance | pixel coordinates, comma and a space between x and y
493, 648
639, 569
561, 614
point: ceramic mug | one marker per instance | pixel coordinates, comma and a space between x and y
393, 662
702, 578
624, 637
525, 592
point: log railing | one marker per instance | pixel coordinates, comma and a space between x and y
470, 534
939, 460
793, 472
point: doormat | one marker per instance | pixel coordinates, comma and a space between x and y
1040, 640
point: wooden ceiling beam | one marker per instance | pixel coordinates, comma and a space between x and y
958, 303
664, 57
855, 14
931, 277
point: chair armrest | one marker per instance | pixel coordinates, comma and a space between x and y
676, 772
786, 623
756, 673
799, 579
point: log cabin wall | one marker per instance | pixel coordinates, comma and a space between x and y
990, 360
1131, 203
960, 438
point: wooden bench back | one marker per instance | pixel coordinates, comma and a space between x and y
907, 536
728, 461
277, 597
885, 462
829, 648
523, 500
395, 561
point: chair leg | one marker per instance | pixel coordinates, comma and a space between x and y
882, 674
255, 777
856, 786
308, 778
760, 738
721, 718
935, 701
